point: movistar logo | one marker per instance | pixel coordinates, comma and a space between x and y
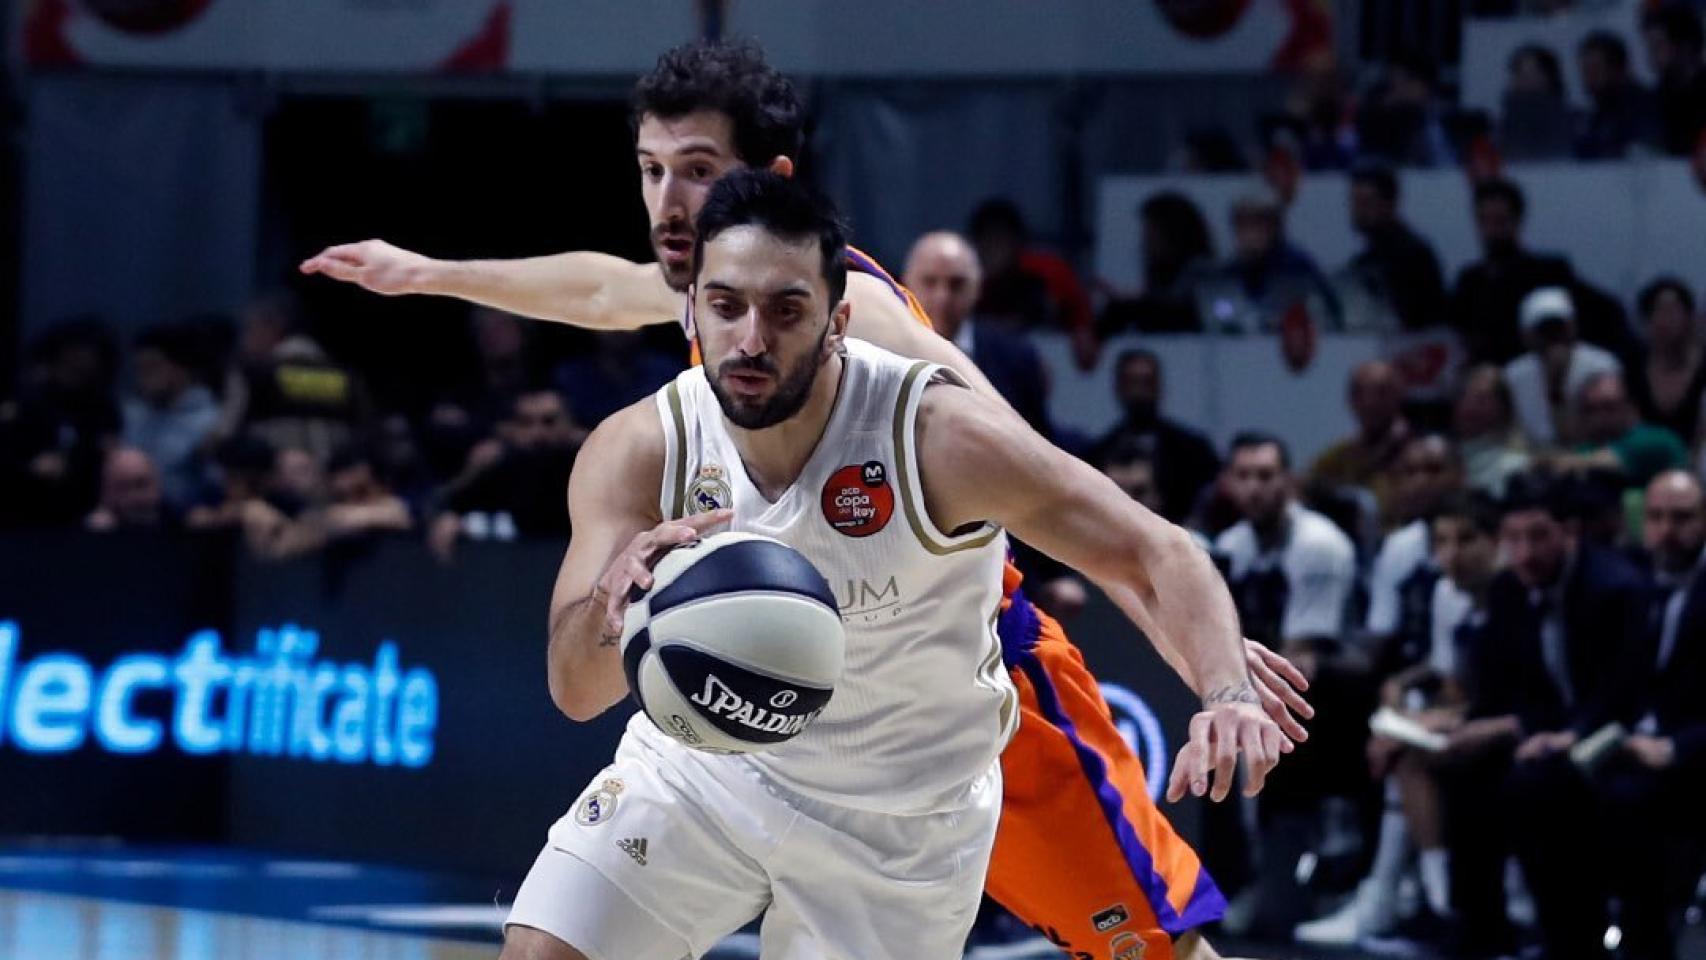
278, 701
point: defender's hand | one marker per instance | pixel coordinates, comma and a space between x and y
1280, 686
373, 265
633, 566
1219, 733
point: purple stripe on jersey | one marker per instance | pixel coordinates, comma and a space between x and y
1017, 628
862, 262
1207, 903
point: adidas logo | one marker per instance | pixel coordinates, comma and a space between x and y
634, 847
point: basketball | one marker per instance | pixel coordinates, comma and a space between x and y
736, 647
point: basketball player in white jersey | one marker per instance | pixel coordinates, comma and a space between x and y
867, 836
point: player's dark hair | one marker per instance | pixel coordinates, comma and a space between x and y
1650, 294
1499, 188
1253, 439
730, 77
782, 206
1472, 507
1608, 45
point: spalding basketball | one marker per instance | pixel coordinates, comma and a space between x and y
736, 647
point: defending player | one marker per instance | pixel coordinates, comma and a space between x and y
1072, 780
868, 835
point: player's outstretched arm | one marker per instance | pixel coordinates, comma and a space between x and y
581, 288
1062, 506
618, 533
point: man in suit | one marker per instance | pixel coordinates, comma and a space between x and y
1646, 793
1565, 629
1185, 462
943, 272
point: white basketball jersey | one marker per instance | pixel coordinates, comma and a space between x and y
925, 704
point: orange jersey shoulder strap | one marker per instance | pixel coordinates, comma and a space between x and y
861, 262
865, 263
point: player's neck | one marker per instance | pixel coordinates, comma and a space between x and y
775, 456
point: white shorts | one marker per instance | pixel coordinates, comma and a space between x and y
668, 851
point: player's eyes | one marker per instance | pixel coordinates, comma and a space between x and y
703, 173
651, 171
727, 309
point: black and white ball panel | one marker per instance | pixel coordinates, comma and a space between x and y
736, 647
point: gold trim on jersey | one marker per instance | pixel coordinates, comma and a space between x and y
916, 513
678, 498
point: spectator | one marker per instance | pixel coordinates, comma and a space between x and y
1648, 798
131, 496
1614, 438
1621, 113
172, 418
1668, 384
1401, 582
1543, 380
277, 525
1292, 573
1562, 623
1534, 120
1674, 41
1025, 285
1396, 265
360, 502
1367, 459
613, 371
52, 443
1177, 252
1489, 293
1321, 115
1133, 472
244, 465
503, 364
523, 489
1430, 696
1268, 277
1483, 418
286, 389
1183, 461
942, 271
1403, 122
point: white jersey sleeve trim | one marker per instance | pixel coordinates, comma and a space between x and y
912, 499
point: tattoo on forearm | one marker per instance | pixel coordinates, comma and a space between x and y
1232, 693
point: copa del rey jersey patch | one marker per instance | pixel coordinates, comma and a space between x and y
858, 499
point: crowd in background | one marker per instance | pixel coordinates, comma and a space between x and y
1493, 590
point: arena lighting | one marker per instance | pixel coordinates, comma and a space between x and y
278, 702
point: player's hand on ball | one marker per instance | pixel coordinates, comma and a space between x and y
1219, 733
1280, 686
373, 265
633, 566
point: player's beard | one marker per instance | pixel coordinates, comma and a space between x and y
792, 387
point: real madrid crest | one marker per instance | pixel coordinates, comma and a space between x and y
710, 491
599, 805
